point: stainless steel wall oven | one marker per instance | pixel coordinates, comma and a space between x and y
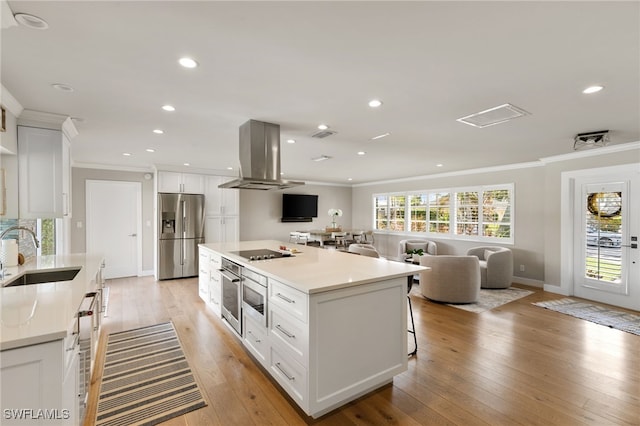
254, 295
231, 274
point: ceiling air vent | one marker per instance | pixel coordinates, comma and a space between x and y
323, 134
496, 115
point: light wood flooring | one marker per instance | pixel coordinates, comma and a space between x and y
514, 365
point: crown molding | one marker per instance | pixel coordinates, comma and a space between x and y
591, 152
98, 166
539, 163
9, 102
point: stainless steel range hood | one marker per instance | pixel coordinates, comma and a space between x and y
259, 158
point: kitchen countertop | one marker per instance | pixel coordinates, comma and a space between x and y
315, 270
38, 313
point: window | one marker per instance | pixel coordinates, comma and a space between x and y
439, 212
478, 213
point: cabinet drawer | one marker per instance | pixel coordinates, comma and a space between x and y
289, 332
215, 291
256, 340
291, 375
292, 301
214, 262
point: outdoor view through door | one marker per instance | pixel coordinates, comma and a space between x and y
603, 260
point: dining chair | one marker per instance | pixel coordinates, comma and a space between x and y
303, 238
340, 239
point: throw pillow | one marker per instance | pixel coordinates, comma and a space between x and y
487, 253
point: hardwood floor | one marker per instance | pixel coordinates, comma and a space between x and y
514, 365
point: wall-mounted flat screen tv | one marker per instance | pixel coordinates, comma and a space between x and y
299, 207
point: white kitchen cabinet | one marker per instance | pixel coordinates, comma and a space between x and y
220, 201
215, 284
209, 282
44, 158
221, 229
40, 377
189, 183
203, 274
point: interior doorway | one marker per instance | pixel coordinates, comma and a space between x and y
606, 258
114, 227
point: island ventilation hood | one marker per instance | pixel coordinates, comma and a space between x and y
259, 158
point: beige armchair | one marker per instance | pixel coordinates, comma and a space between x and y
428, 247
364, 250
496, 266
451, 279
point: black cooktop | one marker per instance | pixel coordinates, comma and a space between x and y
260, 254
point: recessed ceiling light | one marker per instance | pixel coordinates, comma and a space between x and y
168, 108
126, 154
439, 165
188, 62
187, 164
375, 103
291, 141
158, 131
150, 150
349, 178
323, 127
31, 21
63, 87
229, 168
384, 135
321, 158
361, 153
592, 89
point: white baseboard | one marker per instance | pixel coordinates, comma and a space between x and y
527, 281
146, 273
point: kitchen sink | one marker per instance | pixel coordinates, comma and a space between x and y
44, 276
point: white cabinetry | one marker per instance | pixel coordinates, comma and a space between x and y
220, 201
189, 183
44, 173
221, 229
310, 342
209, 283
222, 211
41, 377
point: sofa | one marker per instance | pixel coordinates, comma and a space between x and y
496, 266
451, 279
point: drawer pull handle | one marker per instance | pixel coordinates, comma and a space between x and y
254, 337
291, 378
285, 298
287, 333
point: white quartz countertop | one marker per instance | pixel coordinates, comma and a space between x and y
314, 269
38, 313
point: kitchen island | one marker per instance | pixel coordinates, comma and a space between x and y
336, 323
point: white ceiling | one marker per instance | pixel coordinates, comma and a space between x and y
299, 64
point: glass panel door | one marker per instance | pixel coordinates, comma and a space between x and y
603, 260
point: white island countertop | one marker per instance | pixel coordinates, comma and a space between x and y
313, 269
38, 313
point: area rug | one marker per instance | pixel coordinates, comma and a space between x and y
602, 315
146, 378
490, 299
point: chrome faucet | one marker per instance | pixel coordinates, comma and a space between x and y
21, 228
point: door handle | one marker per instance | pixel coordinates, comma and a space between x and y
133, 235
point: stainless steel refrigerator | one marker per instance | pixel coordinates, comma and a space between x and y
181, 229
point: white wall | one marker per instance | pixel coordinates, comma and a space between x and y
261, 211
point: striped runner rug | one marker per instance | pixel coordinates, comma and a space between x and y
146, 379
602, 315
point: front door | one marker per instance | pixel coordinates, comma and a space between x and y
607, 261
113, 225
